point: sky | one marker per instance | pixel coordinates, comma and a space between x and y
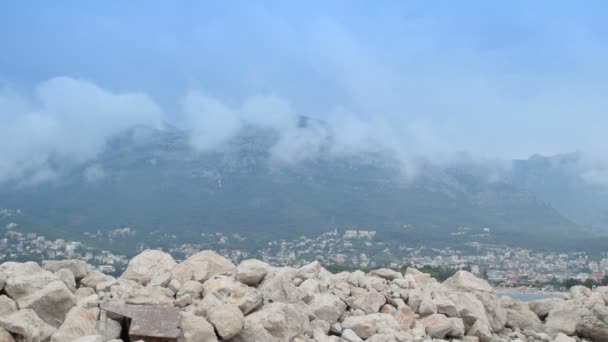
495, 79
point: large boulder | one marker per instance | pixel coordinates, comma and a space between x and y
467, 282
579, 292
405, 317
6, 336
77, 267
520, 316
51, 303
276, 322
278, 288
196, 329
227, 319
67, 277
369, 302
386, 273
25, 279
7, 306
233, 292
593, 323
542, 307
78, 322
327, 307
251, 272
564, 318
94, 278
206, 264
148, 265
497, 315
27, 326
368, 325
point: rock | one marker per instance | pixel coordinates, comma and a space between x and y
94, 278
481, 330
275, 322
111, 331
206, 264
89, 338
77, 267
183, 301
467, 282
336, 328
520, 316
437, 325
580, 292
564, 338
89, 302
564, 319
351, 336
27, 326
227, 319
22, 285
174, 285
67, 277
593, 323
542, 307
233, 292
405, 317
327, 307
386, 273
192, 288
309, 271
161, 279
446, 306
370, 302
5, 336
3, 278
496, 314
51, 303
7, 306
182, 273
251, 272
148, 265
470, 309
427, 307
197, 329
368, 325
78, 323
277, 288
149, 296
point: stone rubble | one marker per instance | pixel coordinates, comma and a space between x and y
254, 301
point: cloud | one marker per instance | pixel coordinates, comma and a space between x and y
94, 174
66, 122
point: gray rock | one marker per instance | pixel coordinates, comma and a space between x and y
437, 325
206, 264
564, 338
446, 306
227, 319
580, 292
89, 338
183, 301
67, 277
542, 307
520, 316
78, 323
192, 288
327, 307
93, 278
112, 329
148, 265
427, 307
197, 329
467, 282
6, 336
368, 325
230, 291
77, 267
369, 302
7, 306
276, 322
251, 272
386, 273
51, 303
26, 325
351, 336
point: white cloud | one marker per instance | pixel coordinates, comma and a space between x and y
67, 122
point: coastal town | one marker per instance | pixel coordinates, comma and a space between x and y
501, 265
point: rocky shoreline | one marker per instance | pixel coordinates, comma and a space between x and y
218, 301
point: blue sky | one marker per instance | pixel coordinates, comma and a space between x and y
498, 79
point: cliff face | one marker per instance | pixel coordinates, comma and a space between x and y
208, 298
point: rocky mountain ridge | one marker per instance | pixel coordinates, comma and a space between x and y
219, 301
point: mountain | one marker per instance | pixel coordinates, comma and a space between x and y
559, 180
154, 181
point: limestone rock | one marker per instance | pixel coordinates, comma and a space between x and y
94, 278
520, 316
275, 322
593, 322
227, 319
51, 303
192, 288
405, 317
564, 338
467, 282
5, 336
437, 325
542, 307
233, 292
197, 329
367, 325
351, 336
580, 292
386, 273
446, 306
370, 302
77, 267
7, 306
147, 265
67, 277
89, 338
327, 307
251, 272
206, 264
78, 323
564, 318
27, 326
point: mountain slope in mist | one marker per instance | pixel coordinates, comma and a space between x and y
155, 181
